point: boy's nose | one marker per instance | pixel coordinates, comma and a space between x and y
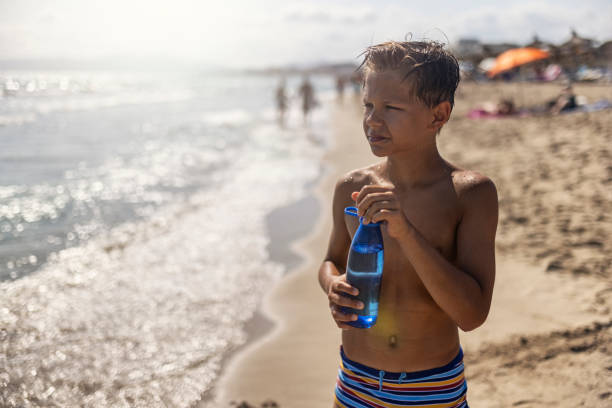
372, 119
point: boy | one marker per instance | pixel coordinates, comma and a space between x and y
438, 223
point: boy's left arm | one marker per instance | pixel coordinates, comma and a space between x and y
464, 289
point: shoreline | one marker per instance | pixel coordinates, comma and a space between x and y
280, 248
266, 357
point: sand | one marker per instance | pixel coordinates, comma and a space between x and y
548, 338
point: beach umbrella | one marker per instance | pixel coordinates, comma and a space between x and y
515, 58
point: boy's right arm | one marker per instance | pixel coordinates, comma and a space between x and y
332, 276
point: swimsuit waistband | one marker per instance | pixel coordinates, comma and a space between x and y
411, 375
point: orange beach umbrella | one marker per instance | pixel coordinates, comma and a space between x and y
516, 57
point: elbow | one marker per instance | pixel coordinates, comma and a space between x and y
474, 321
469, 326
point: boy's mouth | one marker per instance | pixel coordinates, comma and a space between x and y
376, 138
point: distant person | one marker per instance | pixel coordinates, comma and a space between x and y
306, 93
282, 102
340, 82
509, 75
506, 107
564, 102
438, 223
539, 70
356, 82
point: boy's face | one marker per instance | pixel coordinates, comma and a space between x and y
394, 120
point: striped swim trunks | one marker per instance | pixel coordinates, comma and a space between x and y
360, 386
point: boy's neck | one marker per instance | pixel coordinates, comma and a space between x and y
416, 168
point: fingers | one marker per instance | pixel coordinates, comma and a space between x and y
342, 315
382, 215
341, 300
372, 198
342, 318
342, 285
337, 295
369, 189
341, 304
379, 207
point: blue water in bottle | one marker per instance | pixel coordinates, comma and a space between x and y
364, 270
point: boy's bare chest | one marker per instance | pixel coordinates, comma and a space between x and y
435, 217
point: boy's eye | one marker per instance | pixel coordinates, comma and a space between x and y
393, 107
367, 105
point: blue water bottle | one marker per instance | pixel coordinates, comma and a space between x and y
364, 270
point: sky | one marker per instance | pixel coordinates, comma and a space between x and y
263, 33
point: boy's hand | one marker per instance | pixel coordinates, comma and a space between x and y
376, 203
338, 299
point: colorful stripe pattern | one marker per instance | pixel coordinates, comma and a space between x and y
360, 386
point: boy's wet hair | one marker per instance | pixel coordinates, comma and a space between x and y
433, 71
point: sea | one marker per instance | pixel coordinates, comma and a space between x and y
134, 248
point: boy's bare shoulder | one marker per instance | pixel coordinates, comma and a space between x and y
474, 189
357, 178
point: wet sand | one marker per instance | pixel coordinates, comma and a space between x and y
548, 336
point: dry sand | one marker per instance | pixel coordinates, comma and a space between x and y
548, 339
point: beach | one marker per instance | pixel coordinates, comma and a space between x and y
548, 336
167, 172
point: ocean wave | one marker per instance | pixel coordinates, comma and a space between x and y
150, 308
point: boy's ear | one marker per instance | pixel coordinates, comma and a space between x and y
441, 114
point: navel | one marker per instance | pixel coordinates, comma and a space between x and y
393, 341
